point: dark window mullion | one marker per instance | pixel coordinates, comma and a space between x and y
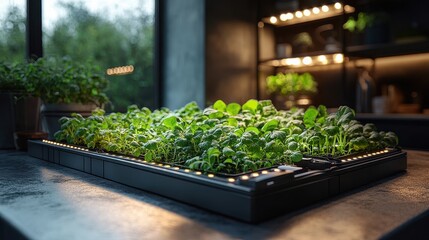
34, 47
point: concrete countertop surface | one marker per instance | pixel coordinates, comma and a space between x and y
48, 201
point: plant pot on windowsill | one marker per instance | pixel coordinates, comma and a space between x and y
69, 87
52, 112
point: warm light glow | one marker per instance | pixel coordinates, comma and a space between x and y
348, 8
307, 61
325, 8
255, 174
187, 170
176, 168
210, 175
312, 14
198, 173
120, 70
303, 101
316, 10
338, 58
264, 172
277, 170
245, 177
293, 61
231, 180
322, 59
261, 24
307, 12
337, 6
276, 63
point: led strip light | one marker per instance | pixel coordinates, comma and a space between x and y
307, 15
296, 62
243, 177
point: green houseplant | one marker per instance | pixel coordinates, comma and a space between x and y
19, 103
368, 28
292, 86
67, 87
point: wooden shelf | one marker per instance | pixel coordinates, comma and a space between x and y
308, 15
388, 49
306, 60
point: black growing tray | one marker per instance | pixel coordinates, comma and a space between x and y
252, 197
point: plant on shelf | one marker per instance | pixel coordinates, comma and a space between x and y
291, 86
359, 24
368, 28
19, 104
225, 138
65, 87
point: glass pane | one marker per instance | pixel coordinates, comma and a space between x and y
12, 30
114, 34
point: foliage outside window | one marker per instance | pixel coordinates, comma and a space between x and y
12, 31
110, 36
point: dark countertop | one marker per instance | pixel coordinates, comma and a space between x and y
48, 201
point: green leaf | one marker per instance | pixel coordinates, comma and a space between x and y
296, 157
213, 152
251, 105
219, 105
228, 152
228, 160
216, 115
232, 122
252, 129
280, 135
323, 112
292, 146
170, 121
151, 145
270, 125
233, 108
310, 117
332, 130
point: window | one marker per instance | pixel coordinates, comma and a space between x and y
116, 35
12, 30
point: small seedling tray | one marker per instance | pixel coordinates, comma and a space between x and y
251, 197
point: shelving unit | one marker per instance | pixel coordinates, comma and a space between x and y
388, 50
319, 24
278, 26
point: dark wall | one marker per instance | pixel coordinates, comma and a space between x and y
231, 51
182, 49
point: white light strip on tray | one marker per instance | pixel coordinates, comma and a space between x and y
349, 159
198, 173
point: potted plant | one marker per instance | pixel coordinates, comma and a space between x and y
368, 28
69, 87
20, 105
289, 88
